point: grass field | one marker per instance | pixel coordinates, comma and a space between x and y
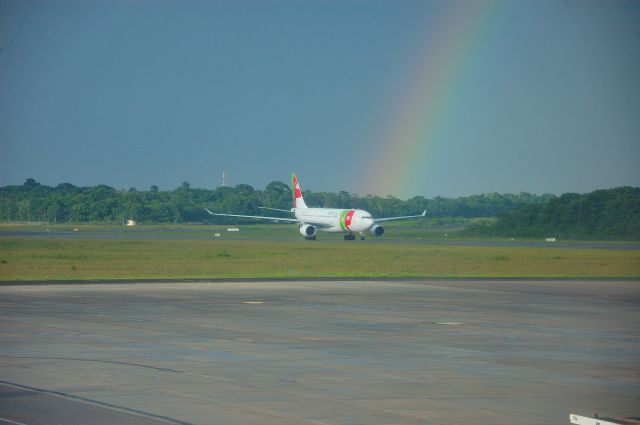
62, 258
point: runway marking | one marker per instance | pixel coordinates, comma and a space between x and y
9, 421
108, 406
448, 323
252, 302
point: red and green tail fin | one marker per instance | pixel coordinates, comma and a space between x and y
298, 200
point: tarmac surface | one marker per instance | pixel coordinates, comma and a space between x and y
155, 234
355, 352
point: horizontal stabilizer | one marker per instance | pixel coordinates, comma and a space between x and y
275, 209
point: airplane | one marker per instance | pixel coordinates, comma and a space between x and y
311, 220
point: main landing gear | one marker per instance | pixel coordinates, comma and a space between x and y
351, 237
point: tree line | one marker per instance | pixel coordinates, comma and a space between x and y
602, 214
612, 214
66, 203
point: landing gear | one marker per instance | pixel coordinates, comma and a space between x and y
362, 236
310, 238
350, 237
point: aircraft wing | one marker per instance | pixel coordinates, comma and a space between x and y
400, 218
259, 217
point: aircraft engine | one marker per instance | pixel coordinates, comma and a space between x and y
307, 230
377, 230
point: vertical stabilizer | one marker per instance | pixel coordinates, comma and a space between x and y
298, 200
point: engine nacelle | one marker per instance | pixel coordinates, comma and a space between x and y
307, 230
377, 230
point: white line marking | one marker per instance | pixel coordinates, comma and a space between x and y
9, 421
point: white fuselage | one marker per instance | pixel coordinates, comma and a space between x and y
335, 220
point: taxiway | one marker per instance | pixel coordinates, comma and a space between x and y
357, 352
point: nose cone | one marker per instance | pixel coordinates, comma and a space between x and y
362, 221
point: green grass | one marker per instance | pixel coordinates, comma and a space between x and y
45, 258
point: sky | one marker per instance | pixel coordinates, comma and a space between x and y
402, 98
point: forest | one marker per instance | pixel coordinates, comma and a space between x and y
608, 214
66, 203
611, 214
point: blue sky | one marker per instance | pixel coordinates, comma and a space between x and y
136, 93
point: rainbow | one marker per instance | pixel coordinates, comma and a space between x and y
425, 101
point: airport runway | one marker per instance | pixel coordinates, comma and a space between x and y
154, 234
357, 352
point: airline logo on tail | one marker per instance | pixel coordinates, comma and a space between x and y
298, 201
